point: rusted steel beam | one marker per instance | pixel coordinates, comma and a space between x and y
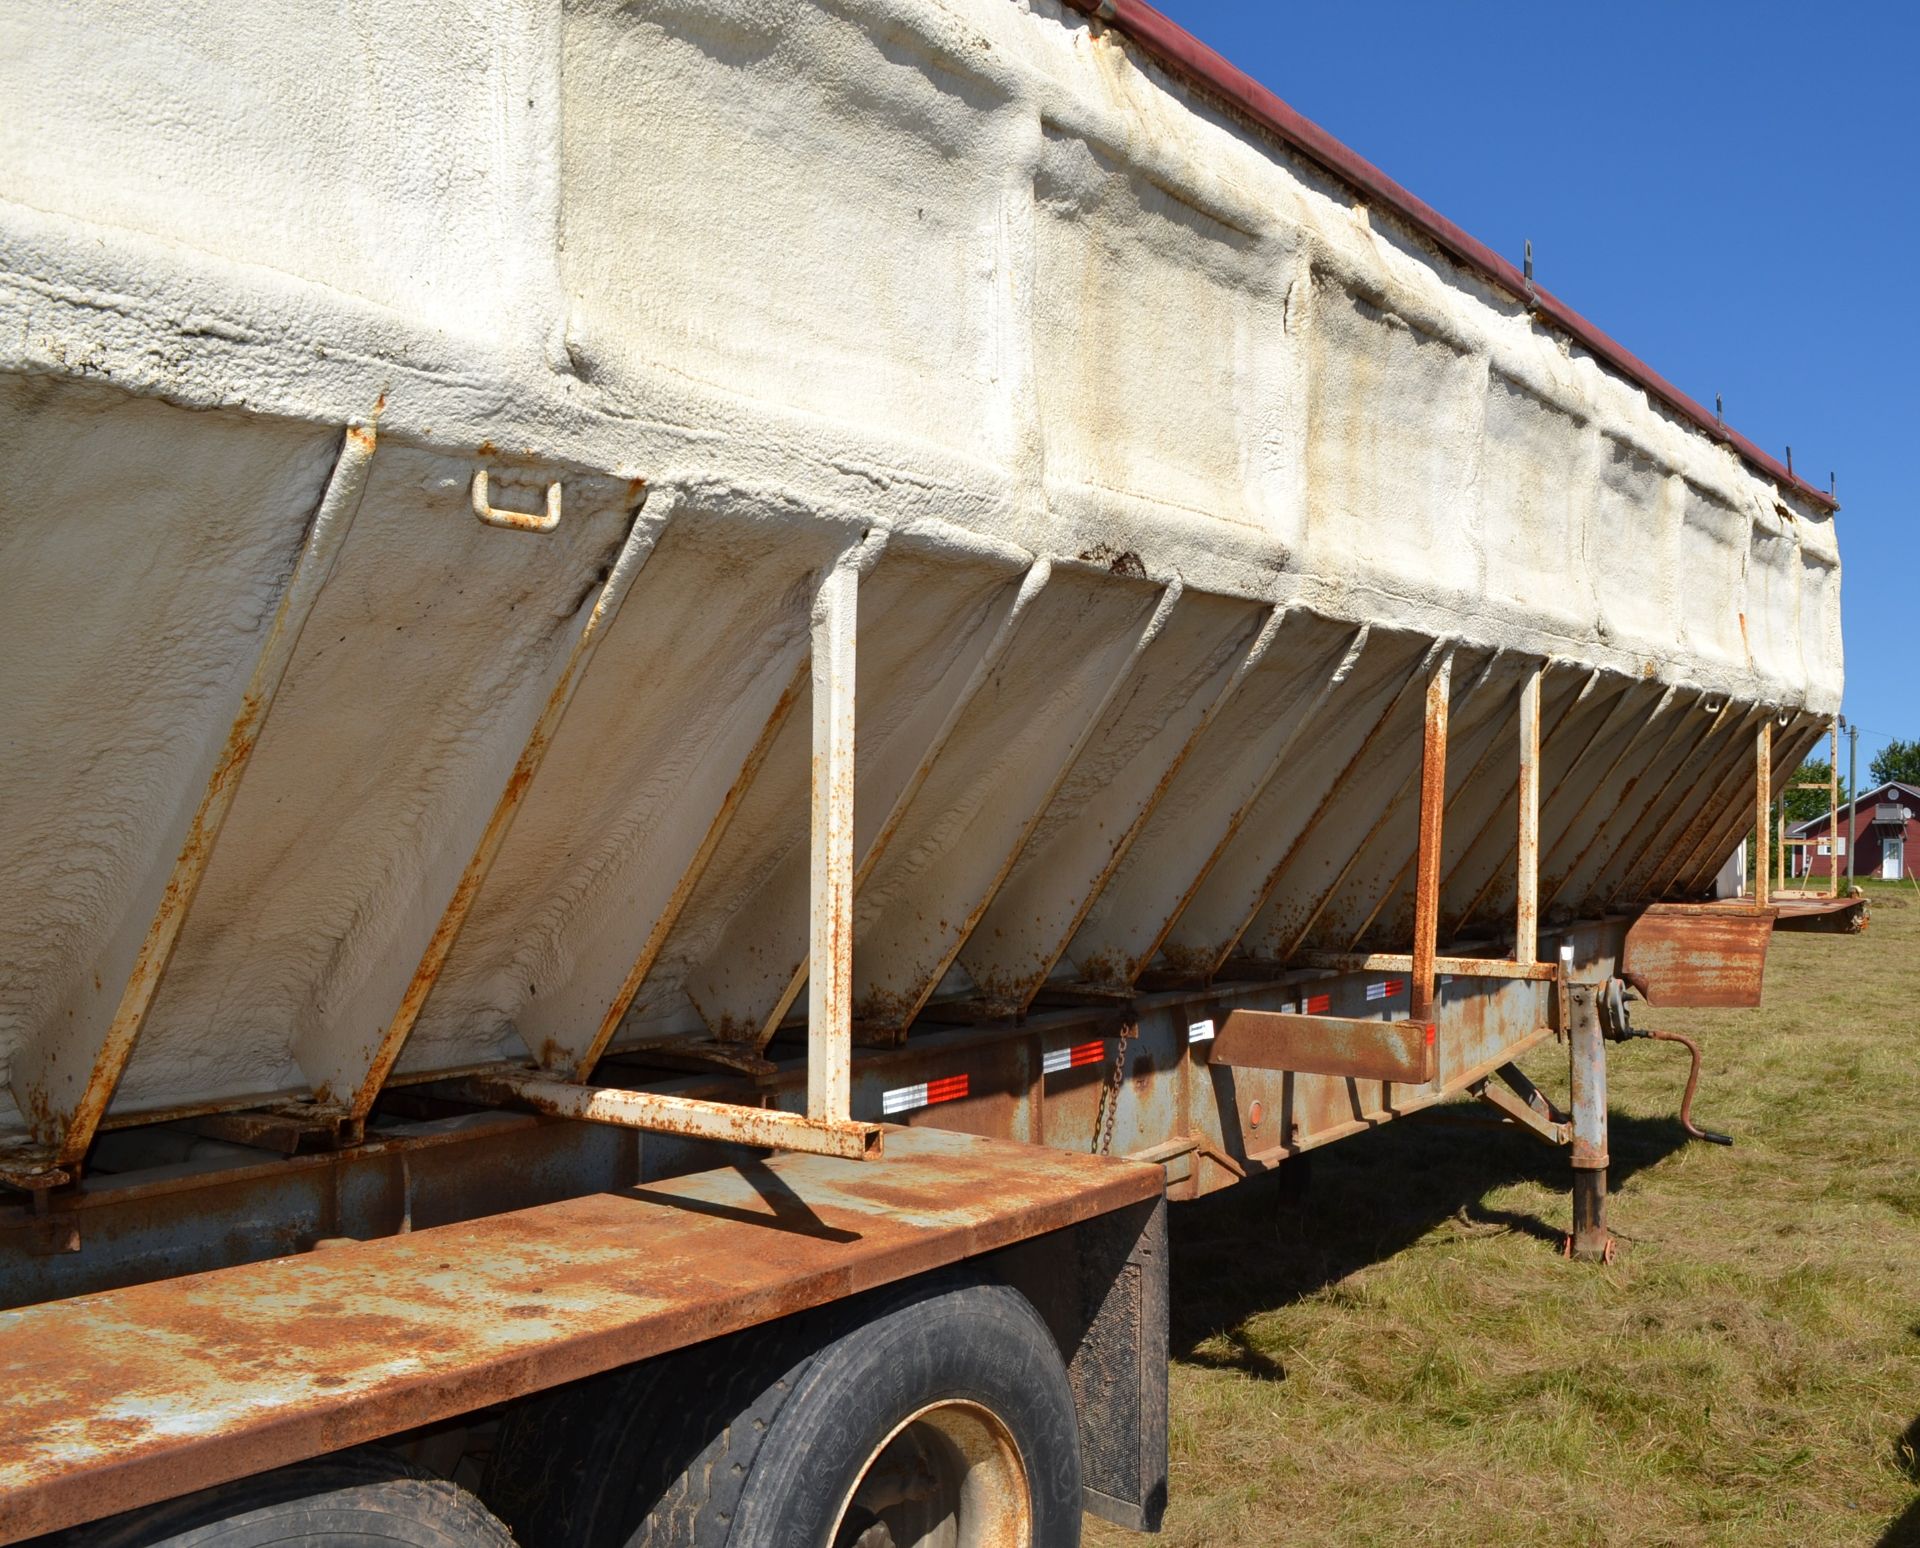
1622, 701
689, 1117
830, 934
65, 1076
241, 1370
1629, 881
1708, 856
1335, 670
1587, 1067
1464, 868
1402, 962
1489, 743
1526, 897
1433, 792
323, 1063
1329, 890
1077, 891
1401, 1052
1720, 791
1613, 820
1422, 670
1031, 584
696, 867
1524, 1113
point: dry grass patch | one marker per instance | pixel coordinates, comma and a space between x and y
1407, 1359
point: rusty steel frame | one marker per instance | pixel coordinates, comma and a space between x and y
67, 1134
1490, 823
246, 1369
637, 548
1709, 857
1400, 1052
1031, 584
1489, 750
1340, 662
1433, 795
1423, 668
1526, 893
1402, 962
1697, 835
1831, 787
1511, 856
1725, 726
1607, 825
1386, 814
688, 1117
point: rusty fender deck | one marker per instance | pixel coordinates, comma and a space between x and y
117, 1400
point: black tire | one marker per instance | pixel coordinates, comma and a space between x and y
757, 1440
357, 1499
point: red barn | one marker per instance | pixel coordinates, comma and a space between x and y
1885, 836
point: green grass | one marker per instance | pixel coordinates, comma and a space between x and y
1407, 1359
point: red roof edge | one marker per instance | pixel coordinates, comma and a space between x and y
1185, 55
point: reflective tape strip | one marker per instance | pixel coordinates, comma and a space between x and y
904, 1099
1200, 1032
1318, 1004
1386, 989
1054, 1060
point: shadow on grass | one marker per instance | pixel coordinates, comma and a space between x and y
1270, 1242
1904, 1531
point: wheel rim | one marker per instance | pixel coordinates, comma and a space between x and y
947, 1476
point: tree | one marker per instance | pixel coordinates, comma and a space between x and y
1897, 760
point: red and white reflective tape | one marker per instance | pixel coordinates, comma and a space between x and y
1200, 1032
1386, 989
1316, 1004
904, 1099
1054, 1060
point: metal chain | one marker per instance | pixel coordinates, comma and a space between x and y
1110, 1098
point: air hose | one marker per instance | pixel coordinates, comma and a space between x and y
1620, 1027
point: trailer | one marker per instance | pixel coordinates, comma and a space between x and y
697, 693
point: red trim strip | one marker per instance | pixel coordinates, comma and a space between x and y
946, 1089
1318, 1004
1185, 55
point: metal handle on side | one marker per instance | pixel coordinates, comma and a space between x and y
515, 521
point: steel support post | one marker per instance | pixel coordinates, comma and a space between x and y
1833, 810
1433, 800
1762, 811
830, 937
1526, 897
1587, 1068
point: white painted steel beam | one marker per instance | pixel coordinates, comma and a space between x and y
830, 915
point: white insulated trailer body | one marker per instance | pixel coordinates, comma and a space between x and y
523, 528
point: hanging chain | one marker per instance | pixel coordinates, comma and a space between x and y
1110, 1097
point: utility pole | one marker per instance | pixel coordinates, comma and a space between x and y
1853, 793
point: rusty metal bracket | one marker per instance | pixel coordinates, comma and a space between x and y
1525, 1104
515, 521
729, 1122
1401, 1052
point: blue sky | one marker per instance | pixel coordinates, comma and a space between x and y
1731, 191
